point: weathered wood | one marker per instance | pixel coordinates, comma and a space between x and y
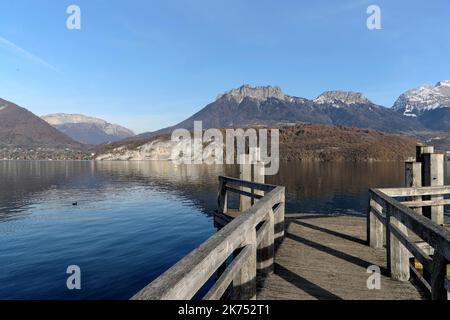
375, 225
258, 168
413, 179
413, 248
437, 236
224, 281
245, 173
398, 253
426, 203
433, 175
265, 242
279, 213
410, 192
244, 282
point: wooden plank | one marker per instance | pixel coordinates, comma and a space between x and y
411, 192
222, 284
426, 203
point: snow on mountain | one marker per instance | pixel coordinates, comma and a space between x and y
417, 101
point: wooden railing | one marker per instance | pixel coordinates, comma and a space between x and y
409, 235
235, 253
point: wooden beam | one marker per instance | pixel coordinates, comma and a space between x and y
411, 192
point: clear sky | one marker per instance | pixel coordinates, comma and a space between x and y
147, 64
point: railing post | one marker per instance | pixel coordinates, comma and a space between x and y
266, 249
433, 175
398, 255
244, 284
245, 173
222, 198
441, 270
279, 220
374, 225
258, 168
413, 179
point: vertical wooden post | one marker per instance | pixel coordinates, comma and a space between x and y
266, 249
441, 270
222, 198
413, 179
375, 226
244, 284
245, 173
258, 168
433, 175
279, 220
398, 254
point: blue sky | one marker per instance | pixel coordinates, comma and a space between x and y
148, 64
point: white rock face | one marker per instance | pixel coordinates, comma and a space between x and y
425, 98
337, 98
159, 150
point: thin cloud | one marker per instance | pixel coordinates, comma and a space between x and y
18, 50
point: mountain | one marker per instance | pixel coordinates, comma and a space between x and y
87, 130
269, 106
19, 128
429, 104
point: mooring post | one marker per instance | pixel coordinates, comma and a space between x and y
245, 173
433, 175
244, 283
375, 226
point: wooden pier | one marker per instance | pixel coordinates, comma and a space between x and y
399, 251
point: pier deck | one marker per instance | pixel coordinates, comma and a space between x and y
326, 257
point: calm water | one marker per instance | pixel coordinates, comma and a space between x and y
136, 219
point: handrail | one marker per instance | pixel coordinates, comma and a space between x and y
396, 219
189, 275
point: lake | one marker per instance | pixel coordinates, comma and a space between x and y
133, 220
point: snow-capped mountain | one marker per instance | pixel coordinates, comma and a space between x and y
87, 130
429, 104
425, 98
